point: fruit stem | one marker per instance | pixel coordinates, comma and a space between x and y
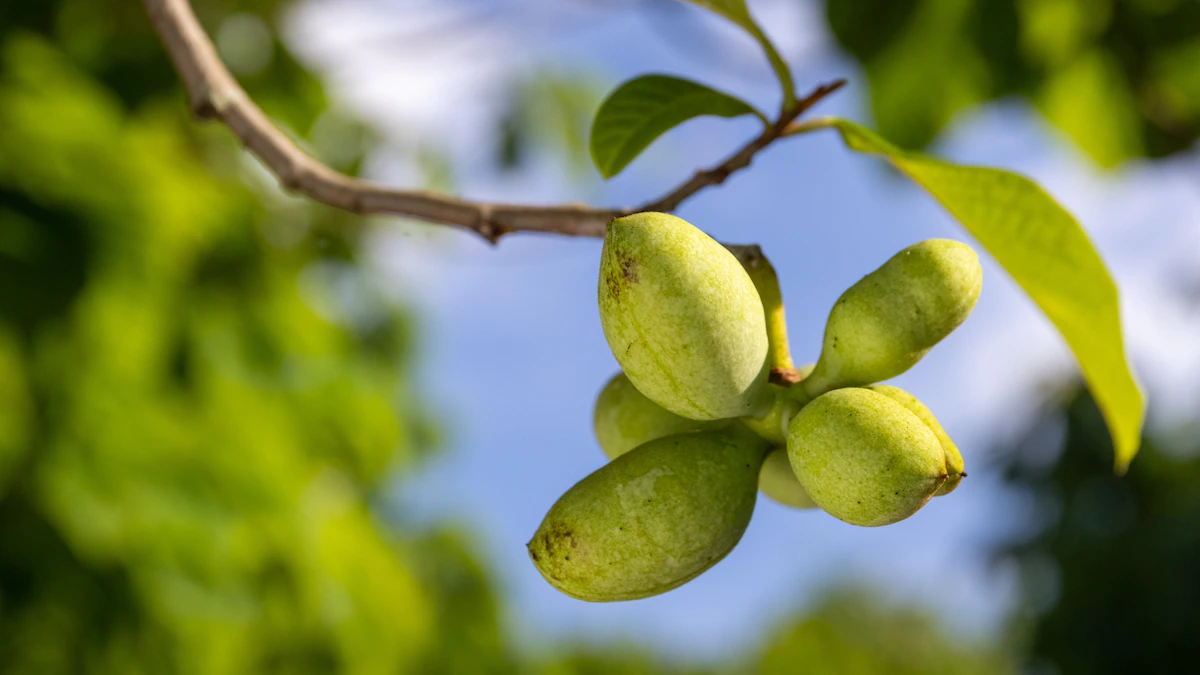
766, 282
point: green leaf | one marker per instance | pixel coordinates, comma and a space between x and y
646, 107
1046, 251
737, 12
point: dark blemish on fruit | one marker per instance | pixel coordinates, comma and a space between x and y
612, 284
629, 270
559, 539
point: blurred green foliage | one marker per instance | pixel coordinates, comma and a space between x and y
550, 113
202, 399
854, 632
1108, 565
1117, 76
188, 447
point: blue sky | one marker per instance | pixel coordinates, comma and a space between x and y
512, 354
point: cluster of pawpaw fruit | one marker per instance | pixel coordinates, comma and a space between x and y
695, 427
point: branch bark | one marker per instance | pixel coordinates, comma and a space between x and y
215, 94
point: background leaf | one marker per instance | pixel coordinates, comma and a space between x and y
1118, 78
1046, 251
645, 108
734, 10
737, 12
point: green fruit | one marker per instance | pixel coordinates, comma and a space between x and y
772, 426
682, 318
864, 458
889, 320
624, 418
777, 481
954, 459
652, 519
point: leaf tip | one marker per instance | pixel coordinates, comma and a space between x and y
1127, 439
1121, 463
608, 171
602, 164
1125, 450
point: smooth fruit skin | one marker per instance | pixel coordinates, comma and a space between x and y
624, 418
864, 458
777, 481
955, 468
682, 318
885, 323
652, 519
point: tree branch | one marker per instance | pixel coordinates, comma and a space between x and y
215, 94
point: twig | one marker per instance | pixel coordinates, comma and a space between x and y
215, 94
742, 158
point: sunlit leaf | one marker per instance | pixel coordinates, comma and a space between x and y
644, 108
1046, 251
